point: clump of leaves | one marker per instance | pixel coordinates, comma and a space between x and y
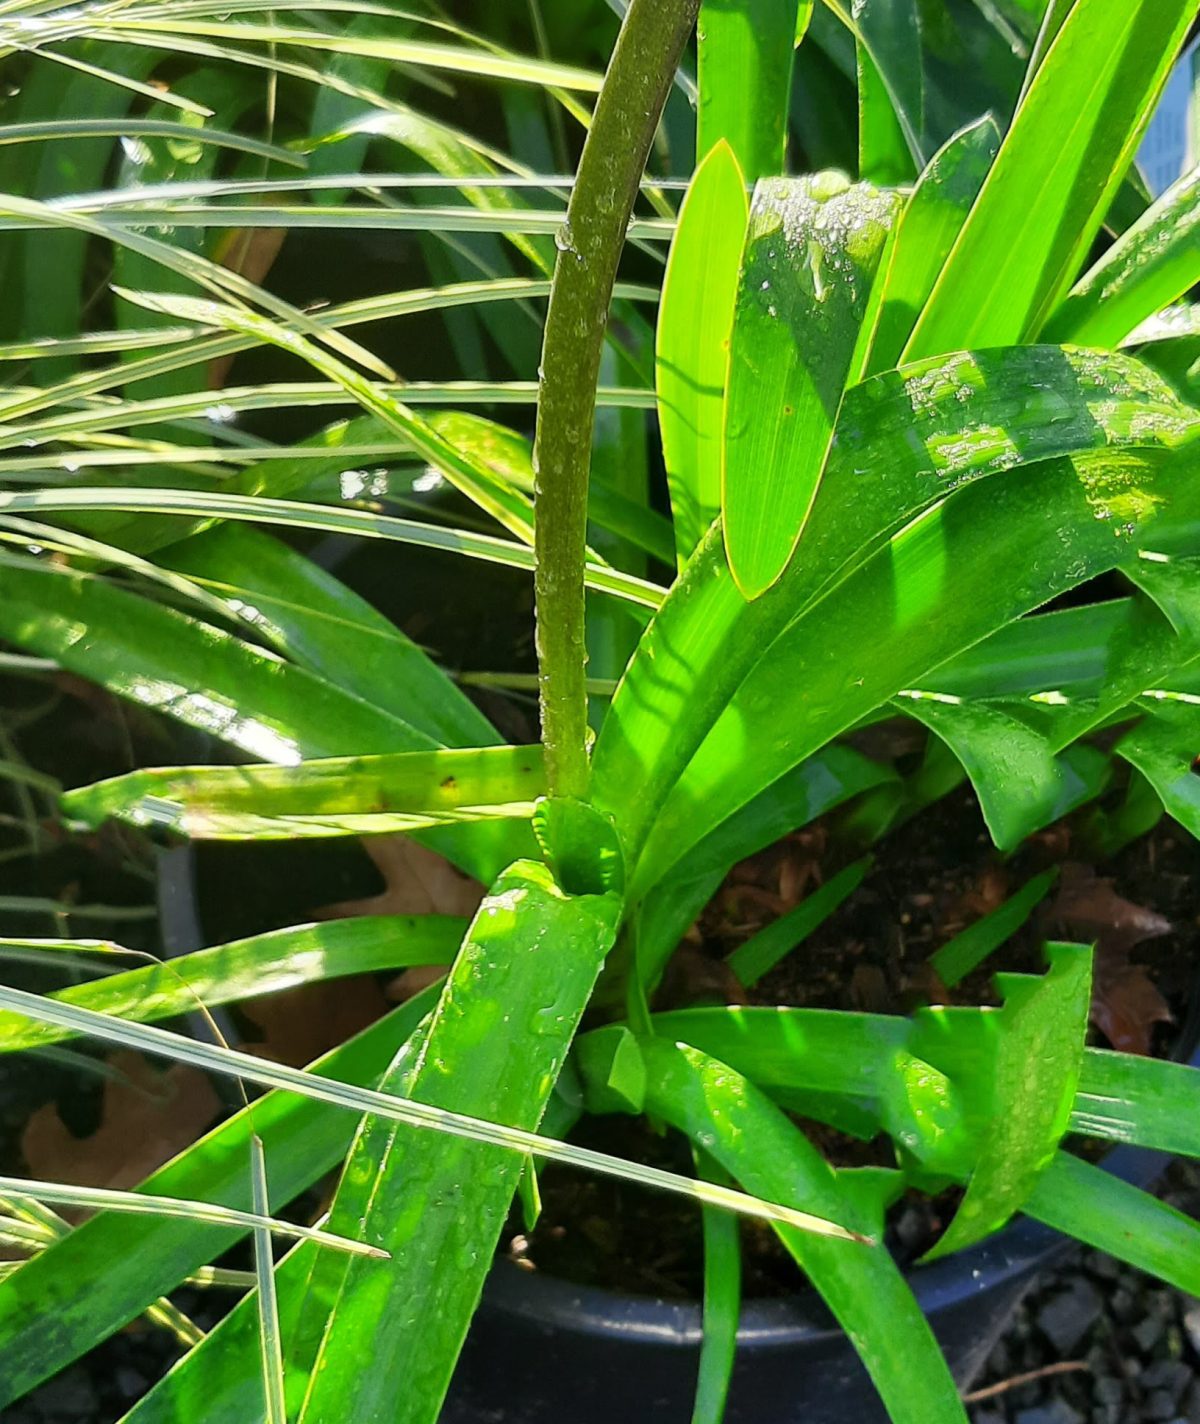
898, 421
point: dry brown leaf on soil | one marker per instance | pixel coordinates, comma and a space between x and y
298, 1025
693, 977
251, 253
147, 1117
416, 882
1126, 1004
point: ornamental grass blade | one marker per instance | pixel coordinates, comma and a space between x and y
152, 1204
801, 332
757, 1145
412, 1112
744, 70
315, 620
270, 1343
290, 513
337, 793
458, 59
1149, 266
1044, 202
461, 467
692, 353
242, 969
119, 1265
1041, 1032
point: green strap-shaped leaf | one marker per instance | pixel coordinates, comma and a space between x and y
208, 679
760, 953
1039, 1055
1054, 526
692, 355
903, 440
1147, 268
930, 223
244, 968
854, 1071
1165, 747
757, 1145
744, 51
722, 1303
970, 947
1044, 201
1144, 1100
800, 336
195, 673
318, 622
883, 156
827, 780
493, 1048
1093, 1206
73, 1295
337, 795
849, 1069
1021, 783
891, 90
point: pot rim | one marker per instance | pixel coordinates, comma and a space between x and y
1021, 1249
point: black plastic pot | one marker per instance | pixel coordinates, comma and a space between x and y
545, 1351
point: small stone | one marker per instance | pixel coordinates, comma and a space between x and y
1108, 1390
1170, 1376
1058, 1411
1148, 1332
912, 1228
1159, 1406
1103, 1267
1122, 1305
1000, 1361
132, 1384
1068, 1316
1191, 1322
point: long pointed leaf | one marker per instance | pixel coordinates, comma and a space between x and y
1043, 202
692, 355
754, 1141
800, 334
